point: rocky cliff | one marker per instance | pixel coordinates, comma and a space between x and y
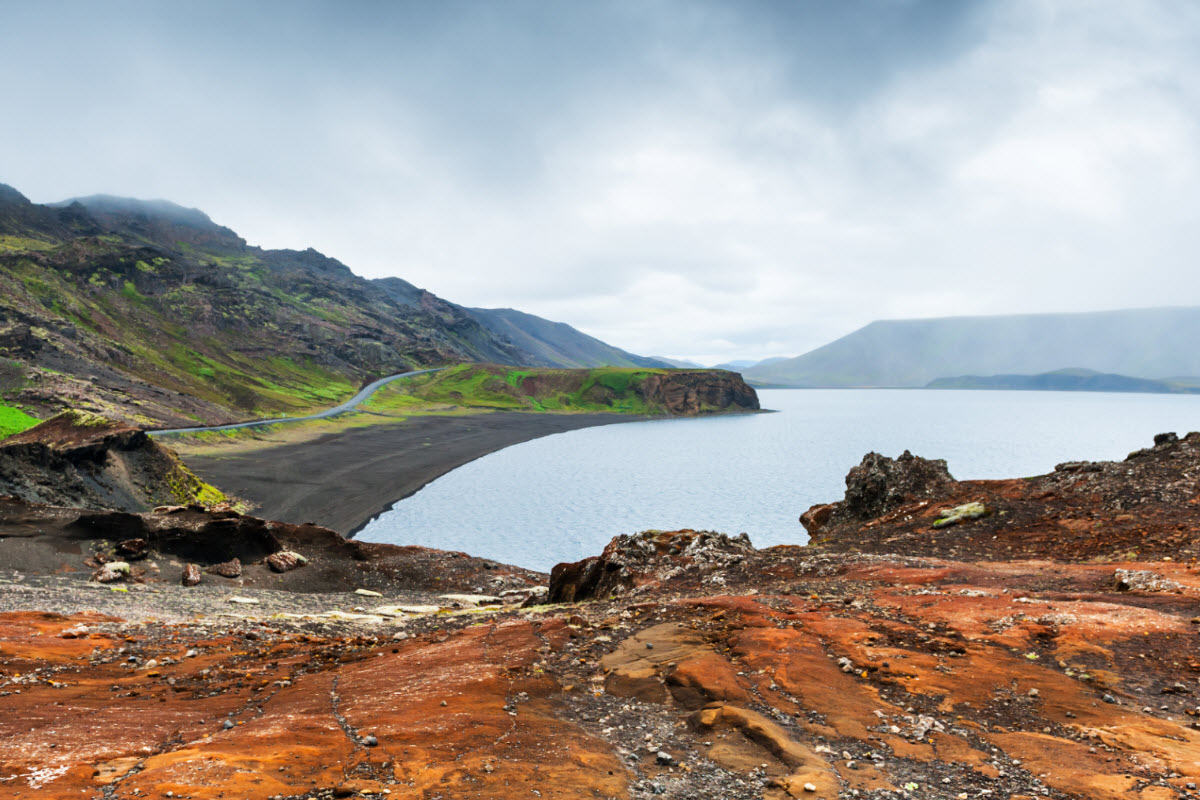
687, 393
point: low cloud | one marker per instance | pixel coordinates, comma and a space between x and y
704, 180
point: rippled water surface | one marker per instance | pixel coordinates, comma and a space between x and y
562, 497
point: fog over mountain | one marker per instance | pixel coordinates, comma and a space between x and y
692, 178
1143, 343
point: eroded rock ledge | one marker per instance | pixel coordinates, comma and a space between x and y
891, 660
84, 460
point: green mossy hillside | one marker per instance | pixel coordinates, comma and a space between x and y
155, 315
496, 387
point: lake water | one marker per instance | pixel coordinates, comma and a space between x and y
562, 497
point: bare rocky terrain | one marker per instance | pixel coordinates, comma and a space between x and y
939, 639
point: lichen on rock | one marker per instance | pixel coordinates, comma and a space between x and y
953, 516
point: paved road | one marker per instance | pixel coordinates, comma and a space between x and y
353, 402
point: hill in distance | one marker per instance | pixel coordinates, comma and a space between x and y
679, 363
150, 312
1152, 343
1067, 380
741, 364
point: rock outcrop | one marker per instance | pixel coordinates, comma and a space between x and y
86, 461
692, 393
880, 484
631, 561
1144, 507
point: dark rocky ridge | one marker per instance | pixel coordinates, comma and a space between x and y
46, 539
75, 459
1144, 506
1066, 380
880, 484
556, 343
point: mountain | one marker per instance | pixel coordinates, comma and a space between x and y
1140, 343
1064, 380
678, 363
150, 312
545, 343
737, 366
556, 343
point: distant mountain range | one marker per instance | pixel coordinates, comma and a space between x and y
679, 363
738, 366
732, 366
1068, 380
1155, 344
151, 312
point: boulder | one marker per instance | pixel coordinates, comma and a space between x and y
285, 561
191, 575
1142, 580
953, 516
816, 517
632, 560
880, 484
227, 569
112, 571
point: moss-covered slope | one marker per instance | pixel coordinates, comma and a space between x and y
606, 389
152, 313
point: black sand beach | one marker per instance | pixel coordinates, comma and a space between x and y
344, 480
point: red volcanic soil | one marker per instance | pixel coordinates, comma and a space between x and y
1043, 649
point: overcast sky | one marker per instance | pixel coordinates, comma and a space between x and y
694, 179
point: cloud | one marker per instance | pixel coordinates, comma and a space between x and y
680, 178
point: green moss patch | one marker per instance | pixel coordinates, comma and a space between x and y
14, 420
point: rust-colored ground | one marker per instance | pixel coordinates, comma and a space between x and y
713, 671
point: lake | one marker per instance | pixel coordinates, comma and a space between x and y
563, 497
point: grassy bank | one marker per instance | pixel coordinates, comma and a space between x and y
14, 420
483, 387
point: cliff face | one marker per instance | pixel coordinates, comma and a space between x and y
691, 393
1041, 644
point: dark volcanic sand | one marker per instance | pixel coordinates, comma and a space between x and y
344, 480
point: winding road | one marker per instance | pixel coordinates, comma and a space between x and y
350, 404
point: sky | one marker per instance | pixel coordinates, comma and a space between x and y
682, 178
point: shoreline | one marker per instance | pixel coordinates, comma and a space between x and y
337, 480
